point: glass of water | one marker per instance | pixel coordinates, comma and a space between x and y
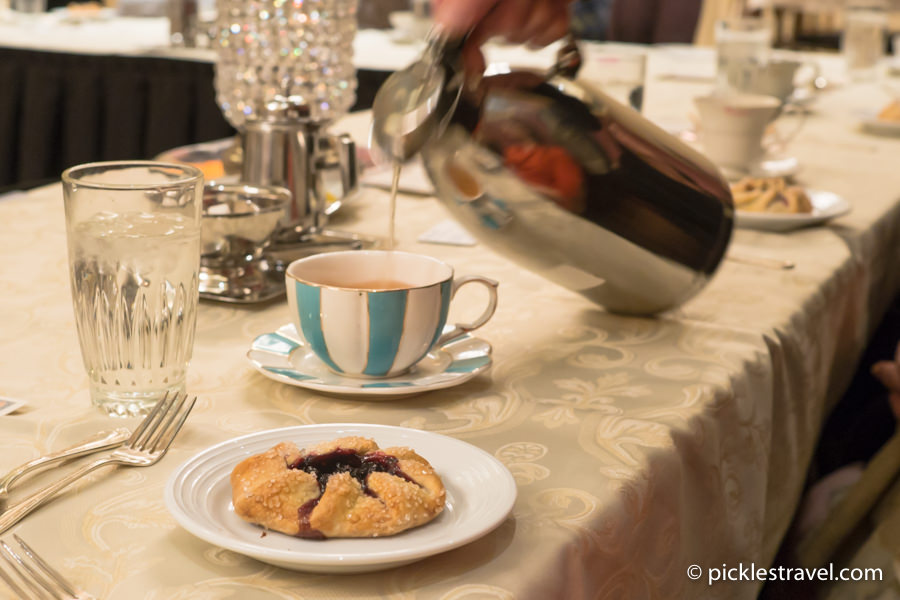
863, 40
30, 7
134, 257
741, 43
619, 70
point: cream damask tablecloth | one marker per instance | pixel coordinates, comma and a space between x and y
639, 446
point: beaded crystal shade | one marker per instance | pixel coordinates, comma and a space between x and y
295, 51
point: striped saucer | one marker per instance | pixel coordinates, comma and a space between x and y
283, 356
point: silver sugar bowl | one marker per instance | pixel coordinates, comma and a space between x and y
238, 224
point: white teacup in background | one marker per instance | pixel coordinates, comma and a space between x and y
376, 313
776, 77
733, 127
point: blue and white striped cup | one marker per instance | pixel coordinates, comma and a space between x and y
376, 313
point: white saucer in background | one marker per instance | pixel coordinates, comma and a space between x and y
775, 166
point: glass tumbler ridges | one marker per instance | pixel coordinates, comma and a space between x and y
133, 232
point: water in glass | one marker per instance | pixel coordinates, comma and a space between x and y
133, 231
135, 292
863, 41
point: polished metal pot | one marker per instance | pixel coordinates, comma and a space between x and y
283, 147
556, 175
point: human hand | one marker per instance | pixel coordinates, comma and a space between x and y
535, 22
888, 373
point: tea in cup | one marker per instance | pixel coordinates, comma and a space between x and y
376, 313
733, 128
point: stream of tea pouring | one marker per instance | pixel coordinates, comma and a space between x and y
403, 112
395, 186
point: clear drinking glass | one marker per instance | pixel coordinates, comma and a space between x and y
134, 256
740, 43
30, 7
863, 40
619, 71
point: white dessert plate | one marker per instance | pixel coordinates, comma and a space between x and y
480, 495
773, 166
826, 205
283, 356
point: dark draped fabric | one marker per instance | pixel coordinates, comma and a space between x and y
58, 110
654, 21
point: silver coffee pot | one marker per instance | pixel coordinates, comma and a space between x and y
561, 178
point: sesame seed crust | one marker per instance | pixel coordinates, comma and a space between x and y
283, 489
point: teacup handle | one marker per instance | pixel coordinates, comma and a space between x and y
781, 141
461, 329
814, 67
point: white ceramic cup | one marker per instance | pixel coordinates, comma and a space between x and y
376, 313
733, 127
776, 77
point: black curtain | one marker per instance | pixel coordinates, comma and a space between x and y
58, 110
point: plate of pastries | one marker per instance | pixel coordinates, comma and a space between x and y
773, 204
83, 12
885, 122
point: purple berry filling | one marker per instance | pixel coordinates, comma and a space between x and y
323, 466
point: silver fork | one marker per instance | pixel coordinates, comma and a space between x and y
145, 447
104, 440
38, 578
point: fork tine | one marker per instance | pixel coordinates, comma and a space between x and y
165, 421
143, 432
35, 582
142, 426
46, 568
11, 582
169, 435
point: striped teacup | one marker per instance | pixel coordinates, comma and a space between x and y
376, 313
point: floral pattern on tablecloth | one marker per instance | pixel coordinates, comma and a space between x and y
639, 446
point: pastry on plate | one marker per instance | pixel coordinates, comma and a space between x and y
84, 7
346, 487
891, 112
770, 194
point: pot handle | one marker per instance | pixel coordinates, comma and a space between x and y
568, 59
